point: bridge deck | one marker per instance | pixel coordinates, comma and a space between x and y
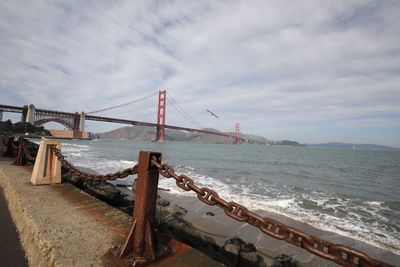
62, 114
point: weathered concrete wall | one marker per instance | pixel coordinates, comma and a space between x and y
36, 248
59, 225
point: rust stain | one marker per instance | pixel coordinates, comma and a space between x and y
96, 209
173, 258
177, 250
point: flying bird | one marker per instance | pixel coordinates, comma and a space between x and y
212, 114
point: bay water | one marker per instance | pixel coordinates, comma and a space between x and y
354, 193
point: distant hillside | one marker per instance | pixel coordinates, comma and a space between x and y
352, 146
143, 133
284, 143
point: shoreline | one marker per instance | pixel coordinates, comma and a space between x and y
214, 223
283, 214
197, 217
211, 225
371, 219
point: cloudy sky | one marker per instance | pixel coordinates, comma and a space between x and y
311, 71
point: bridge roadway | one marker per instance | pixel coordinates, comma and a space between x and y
62, 114
16, 109
149, 124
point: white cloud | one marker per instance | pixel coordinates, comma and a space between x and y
272, 63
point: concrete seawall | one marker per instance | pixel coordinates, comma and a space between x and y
59, 225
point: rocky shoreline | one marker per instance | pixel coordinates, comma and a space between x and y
209, 230
172, 220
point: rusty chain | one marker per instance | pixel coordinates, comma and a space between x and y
27, 153
30, 143
337, 253
102, 177
25, 143
13, 145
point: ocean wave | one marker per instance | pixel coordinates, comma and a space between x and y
75, 145
355, 218
81, 156
360, 220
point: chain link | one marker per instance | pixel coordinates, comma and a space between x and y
30, 143
340, 254
110, 176
24, 144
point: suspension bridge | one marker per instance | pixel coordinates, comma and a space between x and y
138, 112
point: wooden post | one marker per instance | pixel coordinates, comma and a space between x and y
47, 169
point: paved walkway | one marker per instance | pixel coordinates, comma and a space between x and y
11, 253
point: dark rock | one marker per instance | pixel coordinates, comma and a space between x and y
163, 202
209, 213
65, 177
231, 247
104, 191
126, 209
252, 257
240, 253
125, 201
123, 185
178, 210
284, 261
77, 181
239, 245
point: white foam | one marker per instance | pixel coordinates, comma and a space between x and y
81, 156
290, 204
374, 203
75, 145
333, 213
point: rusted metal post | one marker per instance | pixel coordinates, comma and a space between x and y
10, 148
20, 160
141, 237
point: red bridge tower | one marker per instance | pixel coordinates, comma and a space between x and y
162, 105
237, 133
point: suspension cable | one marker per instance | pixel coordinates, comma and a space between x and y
182, 111
123, 104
